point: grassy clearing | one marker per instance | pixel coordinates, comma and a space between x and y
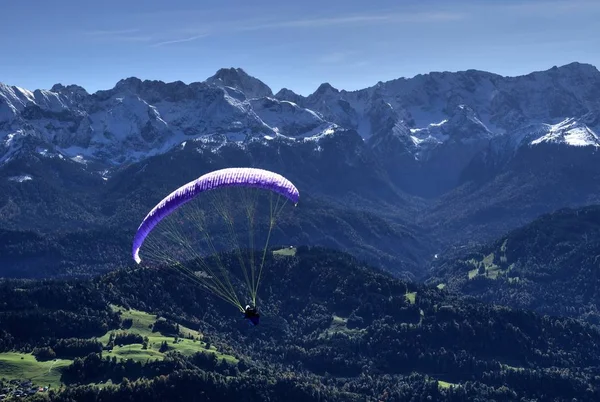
286, 252
141, 324
21, 366
134, 352
411, 297
339, 325
513, 368
25, 366
445, 384
490, 269
441, 286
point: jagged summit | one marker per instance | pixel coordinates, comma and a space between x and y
325, 88
72, 88
130, 82
576, 66
240, 80
289, 95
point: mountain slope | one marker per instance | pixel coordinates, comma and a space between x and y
500, 195
76, 253
362, 212
549, 266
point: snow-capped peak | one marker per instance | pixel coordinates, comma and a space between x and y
15, 97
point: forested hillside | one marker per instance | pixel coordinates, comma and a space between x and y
332, 328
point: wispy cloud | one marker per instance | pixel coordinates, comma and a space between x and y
340, 20
414, 17
111, 32
180, 40
119, 35
117, 32
182, 35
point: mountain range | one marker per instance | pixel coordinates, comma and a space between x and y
438, 161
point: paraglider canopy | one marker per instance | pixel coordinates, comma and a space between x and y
217, 212
231, 177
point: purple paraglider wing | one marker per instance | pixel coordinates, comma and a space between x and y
231, 177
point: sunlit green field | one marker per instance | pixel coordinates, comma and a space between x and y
287, 252
411, 297
142, 323
25, 366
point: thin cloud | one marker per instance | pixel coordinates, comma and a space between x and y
359, 20
119, 35
140, 38
118, 32
343, 20
180, 40
190, 35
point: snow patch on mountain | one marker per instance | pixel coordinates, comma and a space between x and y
287, 118
463, 127
433, 134
331, 130
12, 144
569, 132
21, 178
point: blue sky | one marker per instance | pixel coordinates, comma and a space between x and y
351, 44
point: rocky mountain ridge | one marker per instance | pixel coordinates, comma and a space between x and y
415, 119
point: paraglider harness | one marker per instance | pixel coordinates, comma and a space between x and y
251, 314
